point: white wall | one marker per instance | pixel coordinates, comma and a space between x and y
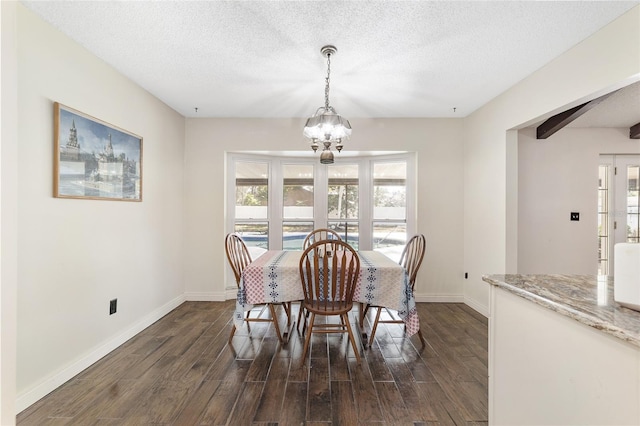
606, 61
437, 143
557, 176
76, 255
8, 214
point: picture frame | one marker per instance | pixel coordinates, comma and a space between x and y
93, 159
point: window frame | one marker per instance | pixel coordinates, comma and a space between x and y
275, 216
354, 161
410, 205
283, 163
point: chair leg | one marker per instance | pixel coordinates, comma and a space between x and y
345, 319
233, 331
247, 321
304, 326
287, 310
375, 327
275, 323
307, 339
306, 318
364, 307
421, 338
299, 317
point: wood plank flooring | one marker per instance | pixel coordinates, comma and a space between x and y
180, 371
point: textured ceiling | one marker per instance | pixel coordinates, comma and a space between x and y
262, 58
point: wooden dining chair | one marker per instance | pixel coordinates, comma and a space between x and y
318, 235
312, 237
239, 257
411, 259
329, 272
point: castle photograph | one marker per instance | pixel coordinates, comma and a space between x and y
96, 160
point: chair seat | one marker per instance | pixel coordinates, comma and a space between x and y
328, 308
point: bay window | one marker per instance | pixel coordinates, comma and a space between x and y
369, 201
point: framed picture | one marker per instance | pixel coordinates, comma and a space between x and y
95, 160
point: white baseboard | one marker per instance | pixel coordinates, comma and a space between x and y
28, 398
453, 298
231, 293
439, 298
208, 296
211, 296
483, 310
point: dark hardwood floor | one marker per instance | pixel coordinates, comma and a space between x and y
180, 371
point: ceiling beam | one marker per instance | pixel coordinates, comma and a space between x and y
634, 131
558, 121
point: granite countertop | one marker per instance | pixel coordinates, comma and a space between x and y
585, 298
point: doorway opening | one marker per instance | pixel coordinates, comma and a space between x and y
618, 201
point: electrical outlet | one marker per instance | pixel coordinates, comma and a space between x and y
113, 306
575, 216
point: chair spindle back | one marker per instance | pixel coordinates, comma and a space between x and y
237, 254
329, 272
319, 235
412, 256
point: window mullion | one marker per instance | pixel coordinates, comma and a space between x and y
276, 183
411, 195
231, 194
365, 210
321, 185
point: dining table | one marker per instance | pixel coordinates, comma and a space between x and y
274, 277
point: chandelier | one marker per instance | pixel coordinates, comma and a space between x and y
326, 125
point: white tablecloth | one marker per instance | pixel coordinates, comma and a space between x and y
274, 277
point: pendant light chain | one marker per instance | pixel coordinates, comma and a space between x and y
326, 87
